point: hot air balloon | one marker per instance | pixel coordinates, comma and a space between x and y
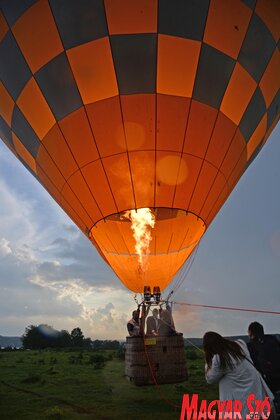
139, 118
122, 108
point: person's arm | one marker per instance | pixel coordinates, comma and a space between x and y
130, 329
215, 373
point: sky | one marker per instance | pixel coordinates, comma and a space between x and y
50, 273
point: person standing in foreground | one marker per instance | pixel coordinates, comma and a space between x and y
265, 352
133, 325
229, 364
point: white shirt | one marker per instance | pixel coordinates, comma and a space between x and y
238, 383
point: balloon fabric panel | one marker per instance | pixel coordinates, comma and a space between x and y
115, 106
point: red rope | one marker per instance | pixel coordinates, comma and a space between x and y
161, 394
227, 308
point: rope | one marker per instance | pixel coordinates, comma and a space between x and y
161, 394
186, 339
186, 269
228, 308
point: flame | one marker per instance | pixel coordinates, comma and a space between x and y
142, 221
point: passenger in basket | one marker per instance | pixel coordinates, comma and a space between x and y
133, 325
166, 326
153, 323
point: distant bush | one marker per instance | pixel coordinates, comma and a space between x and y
98, 360
32, 378
54, 413
120, 353
106, 344
75, 360
193, 355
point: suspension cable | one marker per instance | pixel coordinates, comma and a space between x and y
183, 273
228, 308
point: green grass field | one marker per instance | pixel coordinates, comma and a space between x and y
37, 385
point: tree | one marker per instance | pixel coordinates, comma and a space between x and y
39, 337
77, 337
64, 339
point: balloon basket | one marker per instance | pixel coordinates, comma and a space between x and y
160, 360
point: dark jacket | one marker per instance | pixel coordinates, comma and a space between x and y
265, 353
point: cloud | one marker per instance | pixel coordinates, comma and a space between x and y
5, 247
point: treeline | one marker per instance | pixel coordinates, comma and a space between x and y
44, 336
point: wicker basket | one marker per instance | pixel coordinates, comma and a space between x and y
161, 359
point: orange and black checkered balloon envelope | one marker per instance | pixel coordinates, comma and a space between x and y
117, 104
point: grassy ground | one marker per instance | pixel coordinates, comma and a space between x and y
63, 385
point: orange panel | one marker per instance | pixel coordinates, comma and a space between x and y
131, 17
3, 26
46, 164
171, 231
100, 237
202, 188
106, 121
234, 153
217, 206
142, 166
238, 94
165, 190
6, 104
139, 121
176, 65
76, 130
82, 191
220, 141
216, 189
162, 234
172, 170
162, 269
119, 176
111, 234
72, 214
271, 128
35, 108
269, 12
124, 232
59, 151
269, 83
50, 187
76, 205
226, 25
24, 154
238, 170
172, 114
37, 35
95, 77
96, 178
180, 235
195, 230
200, 126
184, 191
257, 137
